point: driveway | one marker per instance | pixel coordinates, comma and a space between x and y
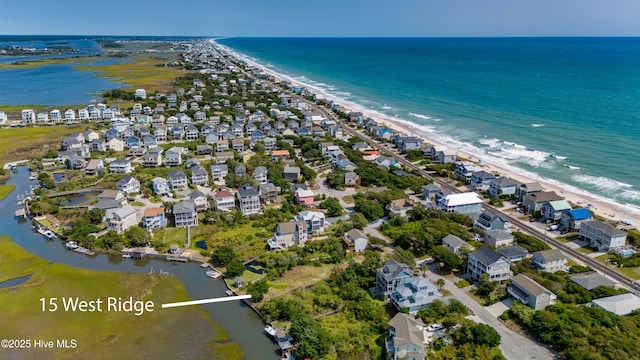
513, 345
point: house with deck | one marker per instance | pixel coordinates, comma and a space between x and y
178, 180
224, 199
553, 210
487, 261
533, 202
355, 240
249, 200
526, 189
199, 176
288, 234
94, 167
219, 172
414, 295
571, 220
389, 277
128, 185
551, 260
490, 220
464, 203
406, 338
481, 180
503, 186
153, 158
160, 186
530, 293
602, 236
200, 200
497, 238
154, 218
122, 219
185, 214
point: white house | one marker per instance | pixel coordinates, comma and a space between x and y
69, 116
122, 219
120, 166
355, 240
28, 116
314, 220
128, 185
464, 203
141, 94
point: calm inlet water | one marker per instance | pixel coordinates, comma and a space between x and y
566, 109
242, 324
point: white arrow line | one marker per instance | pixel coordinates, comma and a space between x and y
206, 301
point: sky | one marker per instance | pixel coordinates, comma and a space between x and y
323, 18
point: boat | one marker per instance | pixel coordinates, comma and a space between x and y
212, 273
126, 256
229, 292
270, 330
33, 176
71, 245
49, 235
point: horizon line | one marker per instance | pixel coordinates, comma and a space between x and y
339, 36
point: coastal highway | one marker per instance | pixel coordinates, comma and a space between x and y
521, 225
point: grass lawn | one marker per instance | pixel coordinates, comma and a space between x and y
246, 240
568, 238
348, 199
185, 332
22, 143
173, 235
299, 277
586, 250
629, 272
6, 190
49, 225
248, 276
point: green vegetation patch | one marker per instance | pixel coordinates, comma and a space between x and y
6, 190
21, 143
185, 332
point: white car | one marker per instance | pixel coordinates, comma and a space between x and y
434, 327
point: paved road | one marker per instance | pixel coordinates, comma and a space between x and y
513, 345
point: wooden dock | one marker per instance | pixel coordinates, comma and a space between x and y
177, 258
84, 250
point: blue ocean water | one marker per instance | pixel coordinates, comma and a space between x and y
565, 109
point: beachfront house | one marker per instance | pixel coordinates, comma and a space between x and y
463, 203
533, 202
602, 236
487, 261
530, 293
481, 180
464, 170
185, 214
571, 220
526, 189
503, 186
122, 219
552, 210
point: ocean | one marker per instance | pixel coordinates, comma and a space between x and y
563, 109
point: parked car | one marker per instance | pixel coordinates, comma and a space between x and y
434, 327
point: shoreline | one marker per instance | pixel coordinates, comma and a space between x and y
607, 208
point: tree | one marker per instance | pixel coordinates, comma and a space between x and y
313, 340
222, 255
358, 220
371, 209
404, 256
137, 236
443, 255
333, 207
257, 289
235, 268
440, 283
485, 335
110, 239
95, 216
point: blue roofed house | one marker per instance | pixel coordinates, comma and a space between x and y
572, 219
150, 141
133, 142
553, 210
414, 294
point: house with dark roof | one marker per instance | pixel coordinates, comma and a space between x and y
178, 180
572, 219
481, 180
389, 277
429, 191
530, 293
185, 214
534, 201
249, 200
406, 338
128, 185
288, 234
200, 200
551, 260
513, 253
487, 261
199, 176
268, 193
490, 220
355, 240
602, 236
503, 186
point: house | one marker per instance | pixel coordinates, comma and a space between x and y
222, 157
314, 220
160, 186
291, 173
456, 245
497, 238
355, 240
153, 157
240, 170
200, 200
406, 338
414, 295
173, 157
550, 260
268, 193
304, 197
623, 304
177, 180
351, 178
464, 170
602, 236
191, 133
361, 146
389, 277
464, 203
219, 172
481, 180
400, 207
185, 214
288, 234
114, 195
277, 155
222, 145
387, 162
154, 218
503, 186
94, 167
128, 185
513, 253
260, 175
346, 165
487, 261
122, 219
99, 145
75, 162
133, 142
224, 199
430, 191
199, 176
237, 145
530, 293
572, 219
490, 220
149, 141
534, 201
136, 152
445, 156
553, 210
249, 200
592, 280
526, 189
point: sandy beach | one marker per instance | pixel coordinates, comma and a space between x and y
607, 209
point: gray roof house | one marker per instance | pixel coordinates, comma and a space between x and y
177, 180
389, 277
503, 186
160, 186
530, 293
355, 240
551, 260
260, 175
219, 172
487, 261
128, 185
490, 220
429, 191
623, 304
199, 175
406, 338
513, 253
240, 170
288, 234
249, 200
456, 245
592, 280
200, 200
185, 214
414, 294
602, 236
497, 238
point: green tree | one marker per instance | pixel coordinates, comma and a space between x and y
485, 335
333, 207
235, 268
371, 209
257, 289
95, 216
440, 282
222, 255
358, 220
313, 340
111, 239
137, 236
442, 255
